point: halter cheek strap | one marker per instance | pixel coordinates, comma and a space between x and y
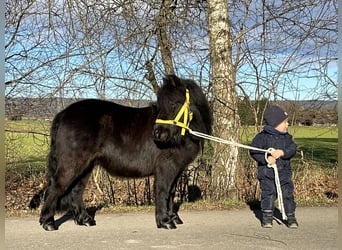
183, 112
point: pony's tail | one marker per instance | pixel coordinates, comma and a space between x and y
52, 160
37, 199
51, 168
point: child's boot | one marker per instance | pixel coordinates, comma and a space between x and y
267, 218
291, 221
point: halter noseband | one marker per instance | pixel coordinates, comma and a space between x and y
185, 112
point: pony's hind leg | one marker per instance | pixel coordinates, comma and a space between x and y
59, 184
52, 195
81, 216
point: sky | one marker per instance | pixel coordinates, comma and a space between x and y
293, 85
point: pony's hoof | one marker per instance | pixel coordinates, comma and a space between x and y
90, 223
86, 222
178, 221
49, 226
167, 225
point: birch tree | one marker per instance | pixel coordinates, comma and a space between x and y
226, 120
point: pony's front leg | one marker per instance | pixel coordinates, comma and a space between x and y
162, 187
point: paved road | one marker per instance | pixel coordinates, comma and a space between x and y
229, 229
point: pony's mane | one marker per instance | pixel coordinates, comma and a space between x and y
199, 104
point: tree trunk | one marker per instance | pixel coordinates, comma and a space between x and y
162, 22
226, 119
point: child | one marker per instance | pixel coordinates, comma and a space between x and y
275, 135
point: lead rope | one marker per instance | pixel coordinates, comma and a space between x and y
277, 183
267, 151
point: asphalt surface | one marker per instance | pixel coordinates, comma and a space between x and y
228, 229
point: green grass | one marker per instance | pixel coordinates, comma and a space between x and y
314, 132
41, 126
27, 144
320, 150
318, 144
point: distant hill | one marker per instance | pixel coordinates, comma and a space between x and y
315, 104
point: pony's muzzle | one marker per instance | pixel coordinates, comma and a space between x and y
160, 133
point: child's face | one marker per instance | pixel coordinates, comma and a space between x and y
282, 127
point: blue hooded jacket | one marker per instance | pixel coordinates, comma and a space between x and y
272, 138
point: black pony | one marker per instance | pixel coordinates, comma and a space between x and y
127, 142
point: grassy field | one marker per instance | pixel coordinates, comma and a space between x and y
319, 144
27, 144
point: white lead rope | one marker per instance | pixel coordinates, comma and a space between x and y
278, 186
274, 166
217, 139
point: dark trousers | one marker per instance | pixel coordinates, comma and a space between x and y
269, 190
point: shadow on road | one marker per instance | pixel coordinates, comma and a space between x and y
256, 208
68, 216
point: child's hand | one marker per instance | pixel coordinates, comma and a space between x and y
277, 153
271, 159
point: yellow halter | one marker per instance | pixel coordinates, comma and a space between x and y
185, 112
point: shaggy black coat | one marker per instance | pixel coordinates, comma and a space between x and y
126, 142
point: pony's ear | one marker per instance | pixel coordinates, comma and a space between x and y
172, 79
